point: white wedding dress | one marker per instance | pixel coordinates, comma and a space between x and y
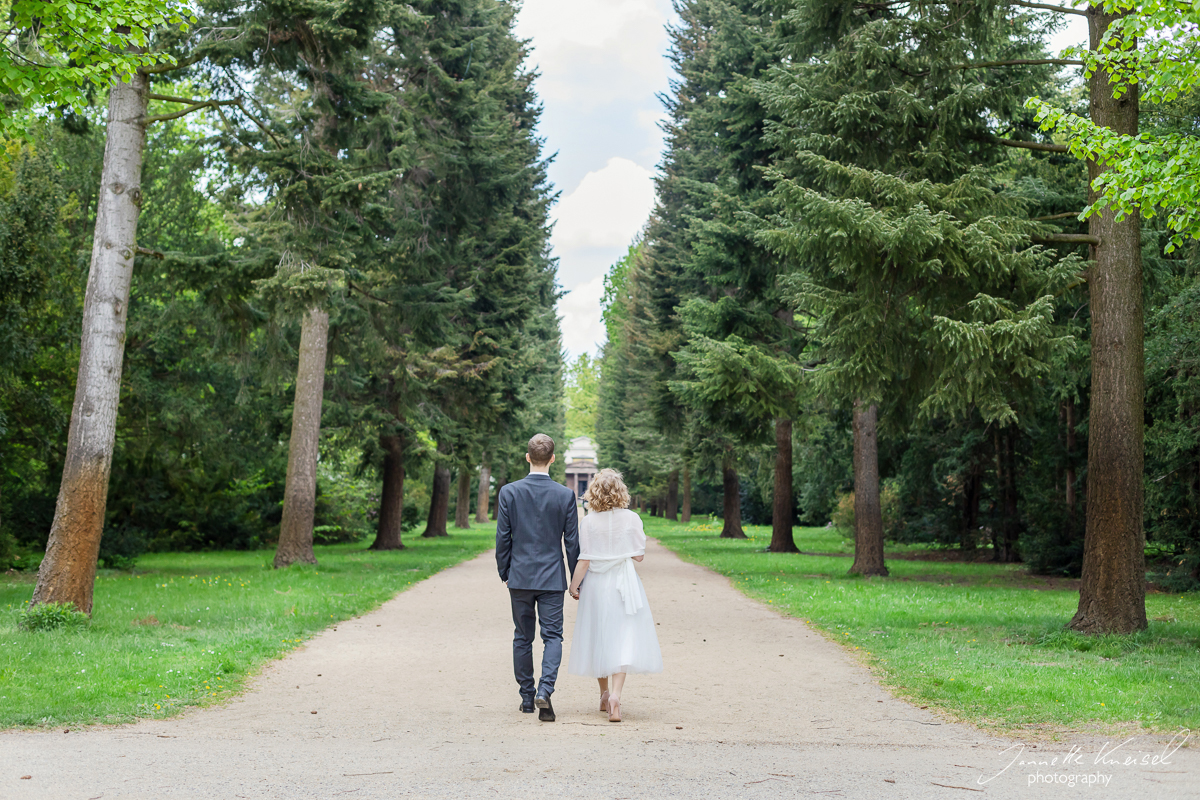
614, 631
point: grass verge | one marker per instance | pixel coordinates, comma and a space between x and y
983, 642
187, 629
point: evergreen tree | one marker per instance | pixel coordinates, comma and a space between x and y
908, 250
743, 344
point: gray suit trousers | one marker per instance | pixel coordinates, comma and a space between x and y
529, 607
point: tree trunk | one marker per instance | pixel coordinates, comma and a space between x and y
481, 503
868, 513
68, 571
1069, 472
673, 495
501, 482
1112, 596
732, 527
439, 501
686, 512
654, 507
782, 540
300, 491
391, 500
971, 495
462, 505
1010, 527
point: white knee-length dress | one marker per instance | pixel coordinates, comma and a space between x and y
614, 630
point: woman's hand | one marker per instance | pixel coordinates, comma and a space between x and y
581, 568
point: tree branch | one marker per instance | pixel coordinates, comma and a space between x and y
1042, 146
1049, 7
145, 251
1067, 238
365, 293
1064, 215
170, 98
241, 107
1021, 62
184, 112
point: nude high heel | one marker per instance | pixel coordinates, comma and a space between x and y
604, 701
614, 710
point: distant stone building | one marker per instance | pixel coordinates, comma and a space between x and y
580, 461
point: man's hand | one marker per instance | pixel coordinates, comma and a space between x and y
574, 593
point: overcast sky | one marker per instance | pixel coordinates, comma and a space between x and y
602, 62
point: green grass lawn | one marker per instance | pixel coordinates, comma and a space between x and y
187, 629
984, 642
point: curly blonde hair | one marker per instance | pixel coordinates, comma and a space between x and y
606, 492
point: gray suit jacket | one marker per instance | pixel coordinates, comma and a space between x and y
535, 517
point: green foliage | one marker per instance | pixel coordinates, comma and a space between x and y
50, 616
908, 251
40, 302
582, 395
427, 243
56, 53
1154, 47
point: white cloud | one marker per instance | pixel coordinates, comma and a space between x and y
592, 23
594, 225
607, 209
601, 64
582, 325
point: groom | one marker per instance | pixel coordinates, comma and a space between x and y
534, 518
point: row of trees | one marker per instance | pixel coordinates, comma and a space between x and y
864, 234
340, 205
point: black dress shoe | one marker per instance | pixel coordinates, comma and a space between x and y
546, 712
527, 705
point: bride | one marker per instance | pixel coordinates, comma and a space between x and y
614, 632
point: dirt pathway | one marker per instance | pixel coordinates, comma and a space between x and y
417, 700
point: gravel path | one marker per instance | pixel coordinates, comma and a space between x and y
417, 700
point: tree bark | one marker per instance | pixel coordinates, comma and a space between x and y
501, 482
1069, 473
1112, 595
868, 513
1010, 526
673, 495
300, 491
782, 540
391, 500
972, 492
685, 515
462, 505
68, 572
481, 503
439, 501
732, 527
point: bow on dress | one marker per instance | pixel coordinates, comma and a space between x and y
627, 580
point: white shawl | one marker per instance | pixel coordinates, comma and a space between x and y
609, 540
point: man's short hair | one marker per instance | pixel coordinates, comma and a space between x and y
541, 450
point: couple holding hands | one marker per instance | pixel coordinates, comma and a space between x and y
536, 519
